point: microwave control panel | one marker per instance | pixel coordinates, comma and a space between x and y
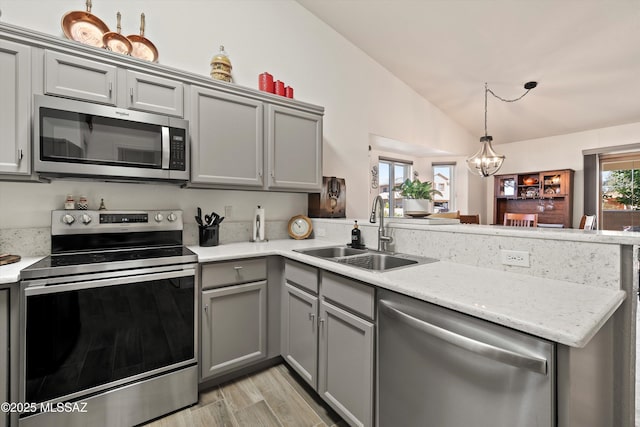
177, 148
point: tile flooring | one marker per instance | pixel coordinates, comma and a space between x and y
272, 397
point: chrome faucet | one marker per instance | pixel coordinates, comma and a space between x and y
382, 239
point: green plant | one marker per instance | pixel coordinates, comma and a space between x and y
417, 190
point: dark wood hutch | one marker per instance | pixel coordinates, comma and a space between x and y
547, 193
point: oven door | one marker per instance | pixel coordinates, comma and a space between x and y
85, 337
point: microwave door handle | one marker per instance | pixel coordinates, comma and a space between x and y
166, 147
532, 363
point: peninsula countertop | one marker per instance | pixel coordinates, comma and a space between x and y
564, 312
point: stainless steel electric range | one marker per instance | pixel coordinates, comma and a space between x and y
108, 324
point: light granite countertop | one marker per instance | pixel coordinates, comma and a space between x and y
10, 273
560, 311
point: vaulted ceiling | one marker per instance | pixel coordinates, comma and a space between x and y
585, 55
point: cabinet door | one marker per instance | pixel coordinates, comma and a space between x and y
295, 149
345, 377
79, 78
226, 138
4, 359
15, 108
300, 332
234, 327
154, 94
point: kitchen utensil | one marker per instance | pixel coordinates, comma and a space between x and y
208, 220
116, 42
142, 47
8, 259
220, 220
84, 27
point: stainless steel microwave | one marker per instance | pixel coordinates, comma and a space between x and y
76, 138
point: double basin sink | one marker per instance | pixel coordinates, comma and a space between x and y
366, 259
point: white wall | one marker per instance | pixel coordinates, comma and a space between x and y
561, 152
281, 37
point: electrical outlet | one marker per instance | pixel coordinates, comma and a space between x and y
227, 212
517, 258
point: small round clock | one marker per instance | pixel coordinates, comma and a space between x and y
300, 227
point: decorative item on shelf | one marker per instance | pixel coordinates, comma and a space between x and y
299, 227
141, 47
288, 91
487, 162
331, 202
102, 206
418, 196
374, 176
84, 27
265, 82
532, 192
555, 179
83, 204
279, 88
69, 202
221, 66
530, 181
116, 42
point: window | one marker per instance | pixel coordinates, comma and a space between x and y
392, 173
620, 192
443, 180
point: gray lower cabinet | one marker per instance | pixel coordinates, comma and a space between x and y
15, 108
329, 339
294, 140
346, 364
300, 332
226, 139
234, 327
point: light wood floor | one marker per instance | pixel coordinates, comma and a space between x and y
272, 397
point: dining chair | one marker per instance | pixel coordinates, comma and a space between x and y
470, 219
520, 220
587, 222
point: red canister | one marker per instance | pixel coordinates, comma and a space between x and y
265, 82
279, 88
288, 92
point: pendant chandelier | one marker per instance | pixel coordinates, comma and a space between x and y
486, 161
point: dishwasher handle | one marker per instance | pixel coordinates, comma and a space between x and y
535, 364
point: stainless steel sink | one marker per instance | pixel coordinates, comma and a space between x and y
332, 252
367, 259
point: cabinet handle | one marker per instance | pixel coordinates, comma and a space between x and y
131, 93
110, 89
237, 268
260, 174
312, 317
321, 320
206, 308
20, 155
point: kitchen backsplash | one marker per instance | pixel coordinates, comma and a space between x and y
36, 241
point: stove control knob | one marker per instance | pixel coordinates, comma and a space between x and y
68, 219
85, 218
172, 217
158, 217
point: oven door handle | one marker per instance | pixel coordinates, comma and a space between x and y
99, 283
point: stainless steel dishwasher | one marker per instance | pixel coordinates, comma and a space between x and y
441, 368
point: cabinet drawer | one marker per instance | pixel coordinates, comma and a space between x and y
350, 294
231, 272
302, 275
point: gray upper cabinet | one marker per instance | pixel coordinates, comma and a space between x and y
15, 108
88, 80
234, 327
226, 139
4, 353
78, 78
294, 141
155, 94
